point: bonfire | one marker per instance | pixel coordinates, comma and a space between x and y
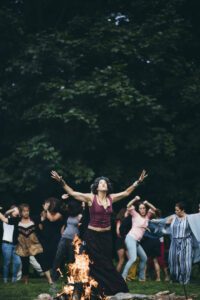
79, 284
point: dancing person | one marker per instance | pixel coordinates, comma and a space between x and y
124, 228
51, 225
65, 247
151, 246
9, 241
98, 235
154, 249
185, 234
28, 243
139, 224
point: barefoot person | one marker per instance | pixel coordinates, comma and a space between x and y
98, 235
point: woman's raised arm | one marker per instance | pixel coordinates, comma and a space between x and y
118, 196
3, 218
85, 197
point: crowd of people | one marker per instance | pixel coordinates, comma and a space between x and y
46, 241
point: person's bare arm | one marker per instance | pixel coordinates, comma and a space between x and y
46, 214
53, 217
170, 219
62, 229
117, 227
118, 196
8, 212
150, 205
86, 197
3, 218
131, 203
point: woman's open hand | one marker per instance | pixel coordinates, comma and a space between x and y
56, 176
65, 196
142, 176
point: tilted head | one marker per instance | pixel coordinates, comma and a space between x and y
180, 209
101, 184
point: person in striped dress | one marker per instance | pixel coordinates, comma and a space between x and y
181, 248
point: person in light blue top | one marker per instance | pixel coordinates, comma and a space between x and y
65, 246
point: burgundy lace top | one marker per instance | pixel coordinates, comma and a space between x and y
99, 216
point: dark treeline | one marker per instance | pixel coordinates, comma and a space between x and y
93, 88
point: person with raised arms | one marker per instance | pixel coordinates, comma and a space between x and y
98, 236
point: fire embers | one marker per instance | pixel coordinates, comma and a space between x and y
80, 286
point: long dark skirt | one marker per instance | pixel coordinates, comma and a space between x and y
99, 249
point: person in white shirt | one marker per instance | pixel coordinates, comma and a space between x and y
9, 242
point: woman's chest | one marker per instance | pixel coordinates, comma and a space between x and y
140, 222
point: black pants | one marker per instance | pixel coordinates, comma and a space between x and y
25, 263
65, 248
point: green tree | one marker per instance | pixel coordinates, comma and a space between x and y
88, 96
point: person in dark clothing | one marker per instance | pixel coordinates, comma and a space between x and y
98, 236
51, 225
65, 246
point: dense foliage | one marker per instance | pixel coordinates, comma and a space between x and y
100, 87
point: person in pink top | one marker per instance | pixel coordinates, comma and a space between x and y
140, 220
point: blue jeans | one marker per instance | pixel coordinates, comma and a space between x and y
8, 251
134, 250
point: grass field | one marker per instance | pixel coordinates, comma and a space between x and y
36, 286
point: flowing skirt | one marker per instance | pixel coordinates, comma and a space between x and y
99, 249
180, 259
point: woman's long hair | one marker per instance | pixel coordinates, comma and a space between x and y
74, 208
138, 205
54, 204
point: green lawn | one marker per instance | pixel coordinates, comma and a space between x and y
36, 286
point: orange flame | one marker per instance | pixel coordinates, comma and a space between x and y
79, 273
